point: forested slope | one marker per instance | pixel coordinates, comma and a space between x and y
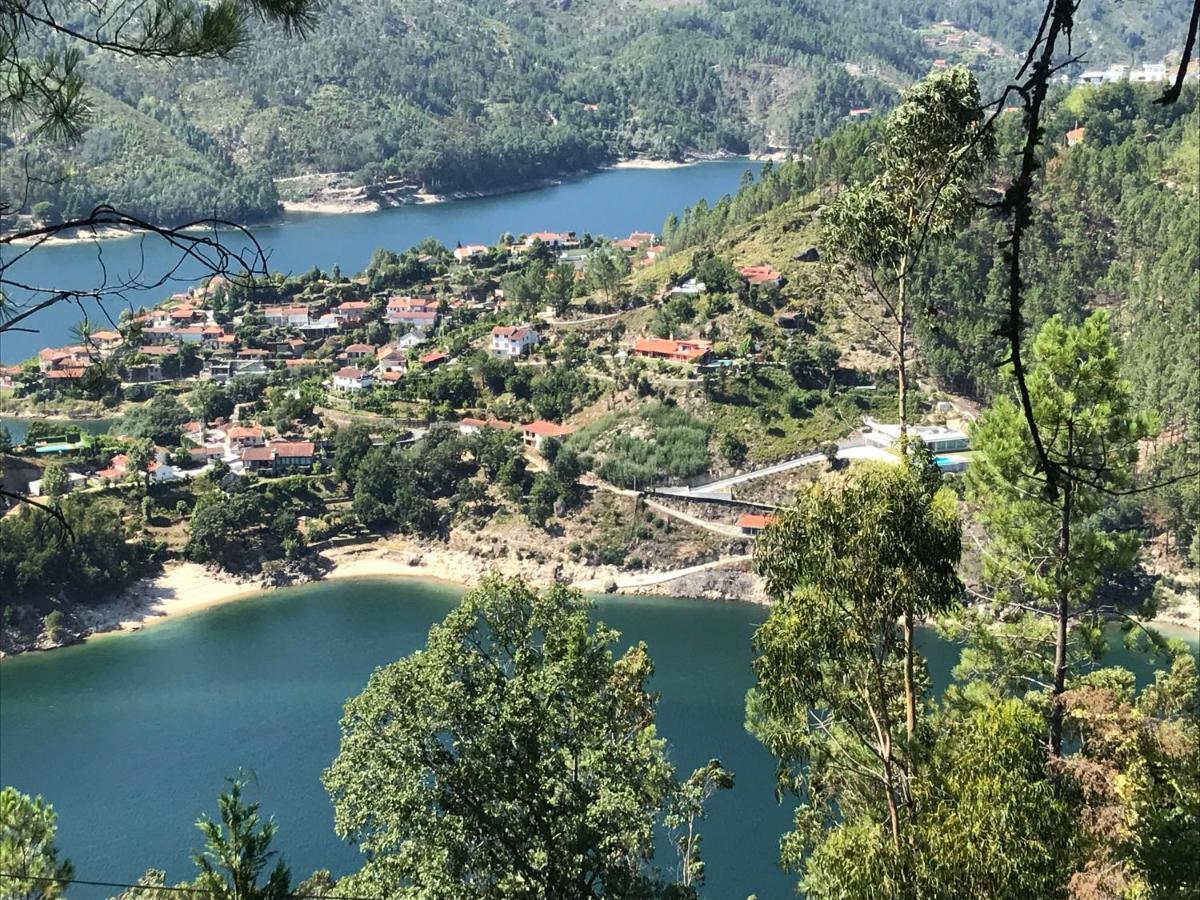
1115, 228
460, 95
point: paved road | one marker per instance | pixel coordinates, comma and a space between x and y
854, 448
729, 531
625, 582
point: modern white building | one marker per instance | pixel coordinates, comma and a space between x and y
938, 438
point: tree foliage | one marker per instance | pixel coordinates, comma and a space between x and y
28, 856
514, 756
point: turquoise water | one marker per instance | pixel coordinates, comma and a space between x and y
613, 202
130, 736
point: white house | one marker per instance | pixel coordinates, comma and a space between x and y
392, 359
938, 438
462, 254
691, 287
410, 340
513, 340
74, 482
352, 311
352, 379
286, 315
411, 311
536, 432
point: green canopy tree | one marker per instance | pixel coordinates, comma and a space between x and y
28, 856
237, 851
932, 151
513, 757
841, 567
54, 481
1049, 552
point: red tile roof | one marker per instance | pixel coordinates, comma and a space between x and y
542, 428
512, 332
687, 351
292, 448
753, 520
433, 358
237, 432
759, 274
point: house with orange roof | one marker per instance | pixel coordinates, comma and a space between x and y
468, 251
239, 437
351, 312
693, 350
757, 276
752, 524
536, 432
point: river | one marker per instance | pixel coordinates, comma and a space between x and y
130, 736
612, 202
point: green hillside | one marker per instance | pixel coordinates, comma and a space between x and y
463, 96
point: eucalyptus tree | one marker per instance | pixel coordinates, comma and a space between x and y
841, 566
513, 757
1049, 552
932, 151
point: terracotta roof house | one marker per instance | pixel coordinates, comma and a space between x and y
537, 431
434, 359
359, 351
759, 275
752, 524
467, 251
684, 351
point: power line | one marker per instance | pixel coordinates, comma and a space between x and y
179, 889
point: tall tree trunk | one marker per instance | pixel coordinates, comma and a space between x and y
902, 352
1062, 614
910, 695
910, 692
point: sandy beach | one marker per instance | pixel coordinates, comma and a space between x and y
330, 207
653, 164
184, 588
85, 236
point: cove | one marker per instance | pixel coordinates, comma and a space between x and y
130, 736
612, 202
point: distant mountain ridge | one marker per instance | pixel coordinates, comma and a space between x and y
459, 96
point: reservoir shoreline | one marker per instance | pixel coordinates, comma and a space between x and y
293, 211
185, 588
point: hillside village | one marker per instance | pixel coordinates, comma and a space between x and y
648, 411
